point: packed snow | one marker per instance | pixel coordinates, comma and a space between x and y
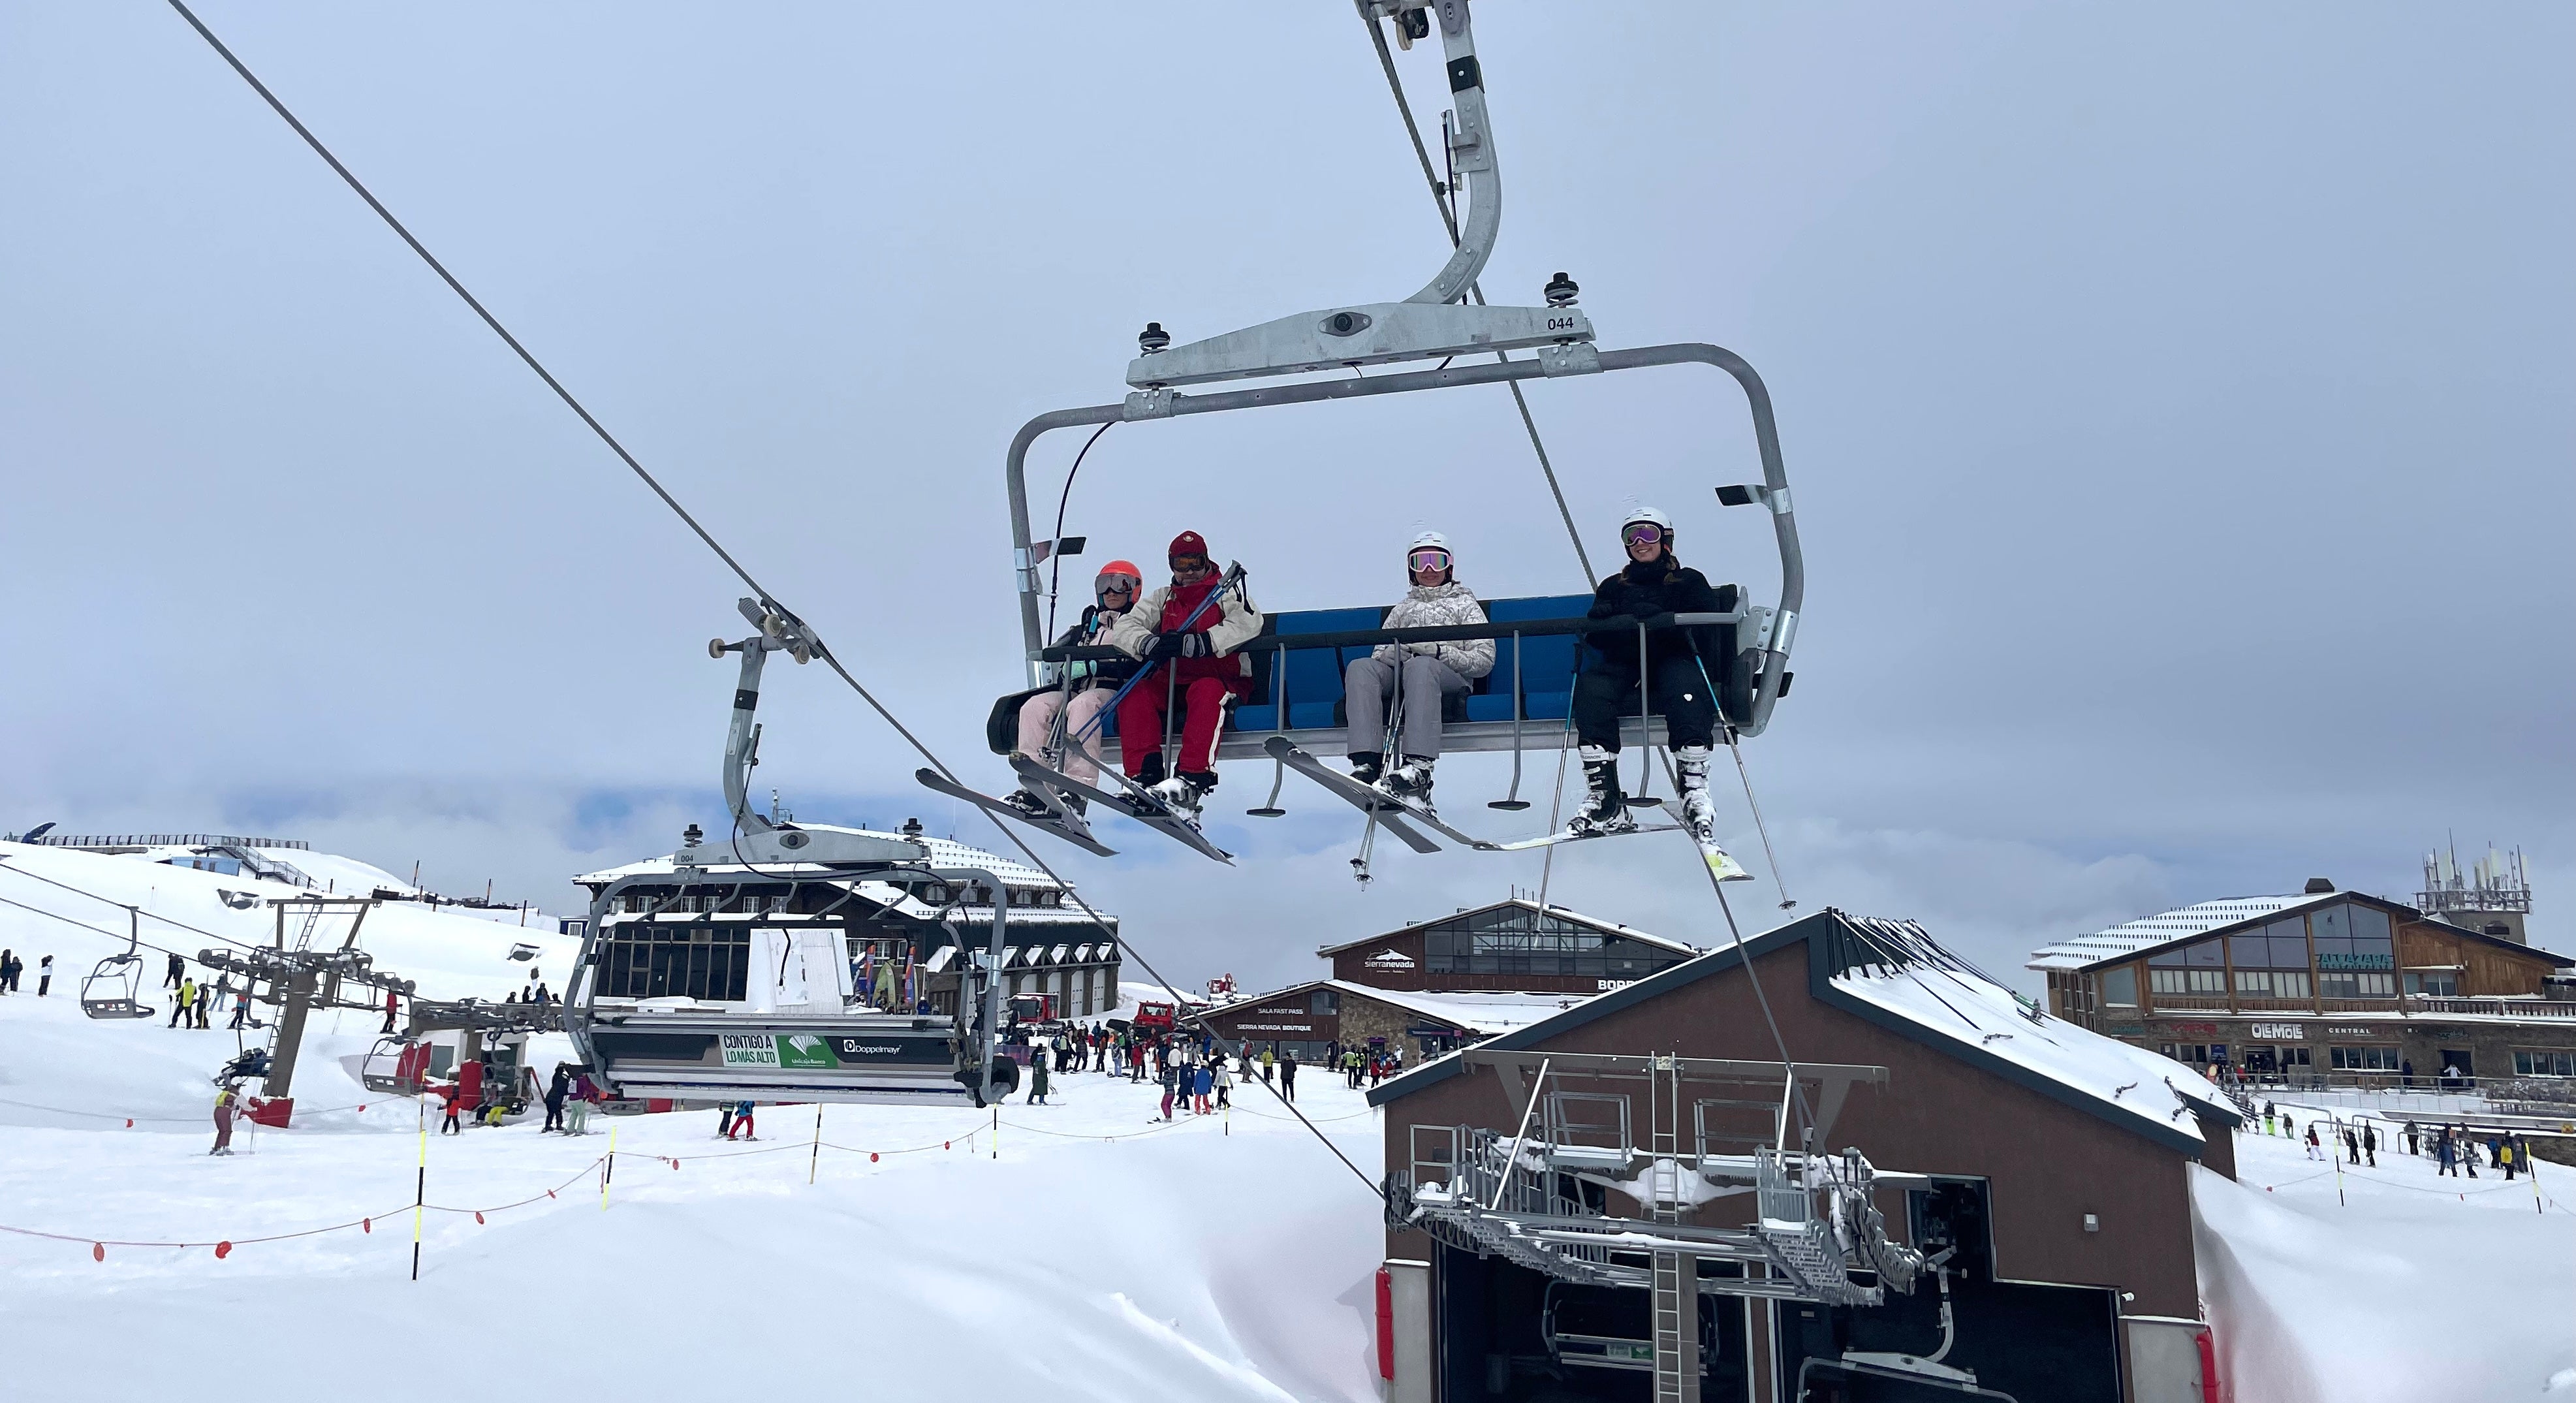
1090, 1251
2385, 1282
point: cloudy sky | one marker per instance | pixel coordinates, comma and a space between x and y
2177, 402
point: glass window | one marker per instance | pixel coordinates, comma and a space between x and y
2439, 986
2364, 1059
1324, 1001
2290, 984
2171, 957
2250, 951
2205, 954
2544, 1064
2120, 987
2254, 981
2332, 927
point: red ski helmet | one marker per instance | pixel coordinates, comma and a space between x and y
1117, 569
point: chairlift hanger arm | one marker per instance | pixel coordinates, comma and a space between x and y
1577, 359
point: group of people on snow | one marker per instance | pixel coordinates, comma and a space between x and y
2452, 1147
1198, 625
13, 974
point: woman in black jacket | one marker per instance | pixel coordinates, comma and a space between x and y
1654, 584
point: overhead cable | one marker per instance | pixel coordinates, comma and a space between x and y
820, 650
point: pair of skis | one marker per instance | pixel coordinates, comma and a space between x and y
1050, 786
1405, 820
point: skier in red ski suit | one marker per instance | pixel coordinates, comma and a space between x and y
1204, 671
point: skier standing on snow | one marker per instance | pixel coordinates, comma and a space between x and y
724, 1121
556, 1090
1168, 1088
1113, 593
2313, 1148
1288, 1076
583, 1093
178, 970
741, 1122
1653, 583
224, 1100
44, 976
1203, 1083
453, 1095
1224, 1086
1038, 1079
203, 993
1204, 674
187, 997
1419, 674
2370, 1143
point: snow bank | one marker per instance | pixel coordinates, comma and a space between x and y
2412, 1287
1101, 1255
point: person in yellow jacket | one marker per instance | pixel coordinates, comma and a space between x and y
181, 1011
224, 1102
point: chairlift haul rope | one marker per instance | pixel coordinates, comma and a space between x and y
767, 599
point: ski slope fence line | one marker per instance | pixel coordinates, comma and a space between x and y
604, 1162
132, 1121
224, 1246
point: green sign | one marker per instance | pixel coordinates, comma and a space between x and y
793, 1051
805, 1051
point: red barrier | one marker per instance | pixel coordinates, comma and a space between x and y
2209, 1391
273, 1114
1386, 1324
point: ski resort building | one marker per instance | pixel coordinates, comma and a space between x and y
1514, 946
916, 928
1318, 1019
2321, 987
2053, 1163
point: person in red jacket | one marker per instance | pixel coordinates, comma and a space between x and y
1194, 661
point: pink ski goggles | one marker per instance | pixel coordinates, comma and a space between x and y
1643, 533
1422, 560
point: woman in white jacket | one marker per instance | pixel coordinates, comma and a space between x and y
1419, 673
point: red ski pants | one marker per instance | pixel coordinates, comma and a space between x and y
1140, 719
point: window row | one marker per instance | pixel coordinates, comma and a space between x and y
2544, 1064
2363, 1059
1593, 965
662, 962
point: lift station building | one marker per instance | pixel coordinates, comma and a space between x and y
2054, 1163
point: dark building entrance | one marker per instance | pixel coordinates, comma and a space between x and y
1510, 1334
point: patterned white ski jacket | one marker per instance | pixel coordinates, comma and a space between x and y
1442, 606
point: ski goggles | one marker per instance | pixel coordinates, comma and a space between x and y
1422, 560
1113, 584
1190, 565
1643, 533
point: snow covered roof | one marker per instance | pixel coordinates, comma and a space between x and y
1895, 975
1577, 917
1483, 1013
1906, 975
2148, 932
1477, 1013
944, 852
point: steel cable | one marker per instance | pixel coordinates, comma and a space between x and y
767, 599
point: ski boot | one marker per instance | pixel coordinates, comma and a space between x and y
1410, 782
1186, 793
1029, 805
1149, 771
1605, 809
1366, 768
1699, 812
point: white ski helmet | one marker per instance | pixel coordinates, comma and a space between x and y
1653, 514
1430, 540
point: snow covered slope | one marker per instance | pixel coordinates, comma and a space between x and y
1100, 1255
450, 955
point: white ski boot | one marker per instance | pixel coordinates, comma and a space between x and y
1699, 813
1410, 782
1185, 794
1605, 809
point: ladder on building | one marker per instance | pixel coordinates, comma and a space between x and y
1676, 1273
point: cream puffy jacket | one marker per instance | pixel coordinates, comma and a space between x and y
1236, 623
1442, 606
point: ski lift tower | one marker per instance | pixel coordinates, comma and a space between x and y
2492, 897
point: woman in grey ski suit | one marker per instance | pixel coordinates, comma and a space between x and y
1420, 673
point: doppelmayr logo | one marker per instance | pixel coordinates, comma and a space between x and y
856, 1048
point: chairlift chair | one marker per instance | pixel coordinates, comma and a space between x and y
643, 1039
114, 987
1298, 661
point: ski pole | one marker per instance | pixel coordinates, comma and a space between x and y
607, 1167
814, 1157
420, 1186
1231, 580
